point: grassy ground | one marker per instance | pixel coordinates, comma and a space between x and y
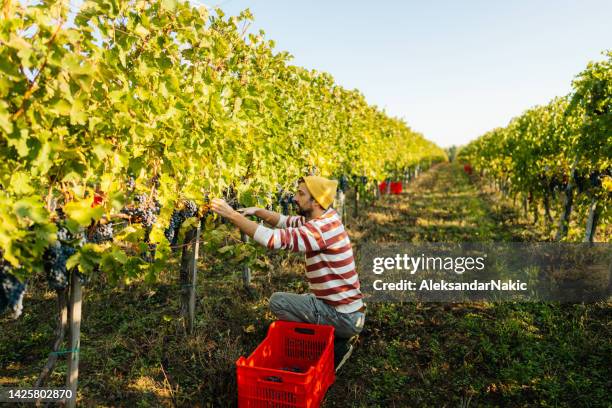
134, 352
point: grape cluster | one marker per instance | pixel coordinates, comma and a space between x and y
286, 201
149, 255
585, 181
595, 179
11, 290
155, 181
131, 183
102, 233
144, 210
171, 233
343, 183
56, 255
230, 196
65, 236
54, 262
190, 209
558, 182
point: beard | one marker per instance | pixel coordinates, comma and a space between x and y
304, 212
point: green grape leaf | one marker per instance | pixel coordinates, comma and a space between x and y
82, 212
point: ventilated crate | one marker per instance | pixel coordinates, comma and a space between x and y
292, 367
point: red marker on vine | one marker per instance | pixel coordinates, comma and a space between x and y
98, 198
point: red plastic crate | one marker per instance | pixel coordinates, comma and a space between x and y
396, 187
303, 347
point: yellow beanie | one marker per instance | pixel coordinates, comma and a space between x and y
323, 190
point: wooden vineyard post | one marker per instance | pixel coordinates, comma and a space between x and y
74, 313
194, 277
377, 190
549, 218
356, 206
60, 331
188, 276
374, 186
567, 204
592, 219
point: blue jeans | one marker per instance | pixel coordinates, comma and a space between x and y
307, 308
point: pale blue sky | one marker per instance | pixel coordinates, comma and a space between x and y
451, 69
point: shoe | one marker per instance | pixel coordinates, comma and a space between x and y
343, 348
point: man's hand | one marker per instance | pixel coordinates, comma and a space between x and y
248, 211
222, 208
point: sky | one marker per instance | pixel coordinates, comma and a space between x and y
451, 69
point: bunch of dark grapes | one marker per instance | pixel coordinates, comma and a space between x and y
65, 236
343, 183
149, 254
60, 213
188, 210
56, 255
292, 202
150, 214
102, 233
11, 290
595, 179
144, 210
204, 210
171, 233
131, 183
230, 196
155, 181
287, 202
279, 194
54, 262
580, 181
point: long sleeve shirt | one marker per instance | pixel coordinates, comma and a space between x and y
330, 266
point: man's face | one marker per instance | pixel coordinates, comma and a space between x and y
304, 201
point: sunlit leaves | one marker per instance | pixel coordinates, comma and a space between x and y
165, 89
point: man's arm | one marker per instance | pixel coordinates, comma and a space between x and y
269, 217
222, 208
304, 238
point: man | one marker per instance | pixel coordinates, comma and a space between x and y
330, 268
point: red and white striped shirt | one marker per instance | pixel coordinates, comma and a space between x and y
330, 266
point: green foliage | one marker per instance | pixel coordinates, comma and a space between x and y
535, 152
162, 89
